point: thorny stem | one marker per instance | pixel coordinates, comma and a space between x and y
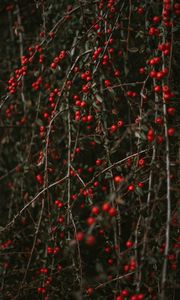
168, 195
33, 248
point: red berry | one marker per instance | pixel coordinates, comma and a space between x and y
126, 268
108, 249
95, 210
159, 121
142, 70
157, 88
160, 139
96, 27
107, 83
119, 298
90, 118
91, 240
91, 221
113, 128
52, 34
117, 73
98, 162
110, 261
160, 75
167, 96
130, 93
129, 244
150, 138
61, 219
120, 123
171, 111
106, 206
152, 31
165, 71
40, 179
151, 132
171, 131
153, 74
140, 296
80, 235
118, 179
134, 297
156, 19
112, 212
140, 10
131, 188
174, 266
90, 169
150, 135
125, 293
141, 184
141, 162
166, 89
85, 88
90, 291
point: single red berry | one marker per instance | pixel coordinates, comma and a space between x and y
141, 184
151, 132
129, 244
112, 212
80, 236
150, 138
113, 128
160, 75
131, 188
90, 291
91, 240
110, 261
156, 19
157, 88
141, 10
91, 221
125, 293
141, 296
126, 268
107, 249
153, 74
61, 219
134, 297
130, 93
152, 31
90, 169
171, 111
52, 34
40, 179
159, 121
85, 88
117, 73
171, 131
174, 266
106, 206
107, 83
120, 123
95, 210
166, 89
142, 70
98, 162
167, 96
119, 297
141, 162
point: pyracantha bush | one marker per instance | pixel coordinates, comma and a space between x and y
89, 150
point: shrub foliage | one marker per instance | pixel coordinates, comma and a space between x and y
89, 149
